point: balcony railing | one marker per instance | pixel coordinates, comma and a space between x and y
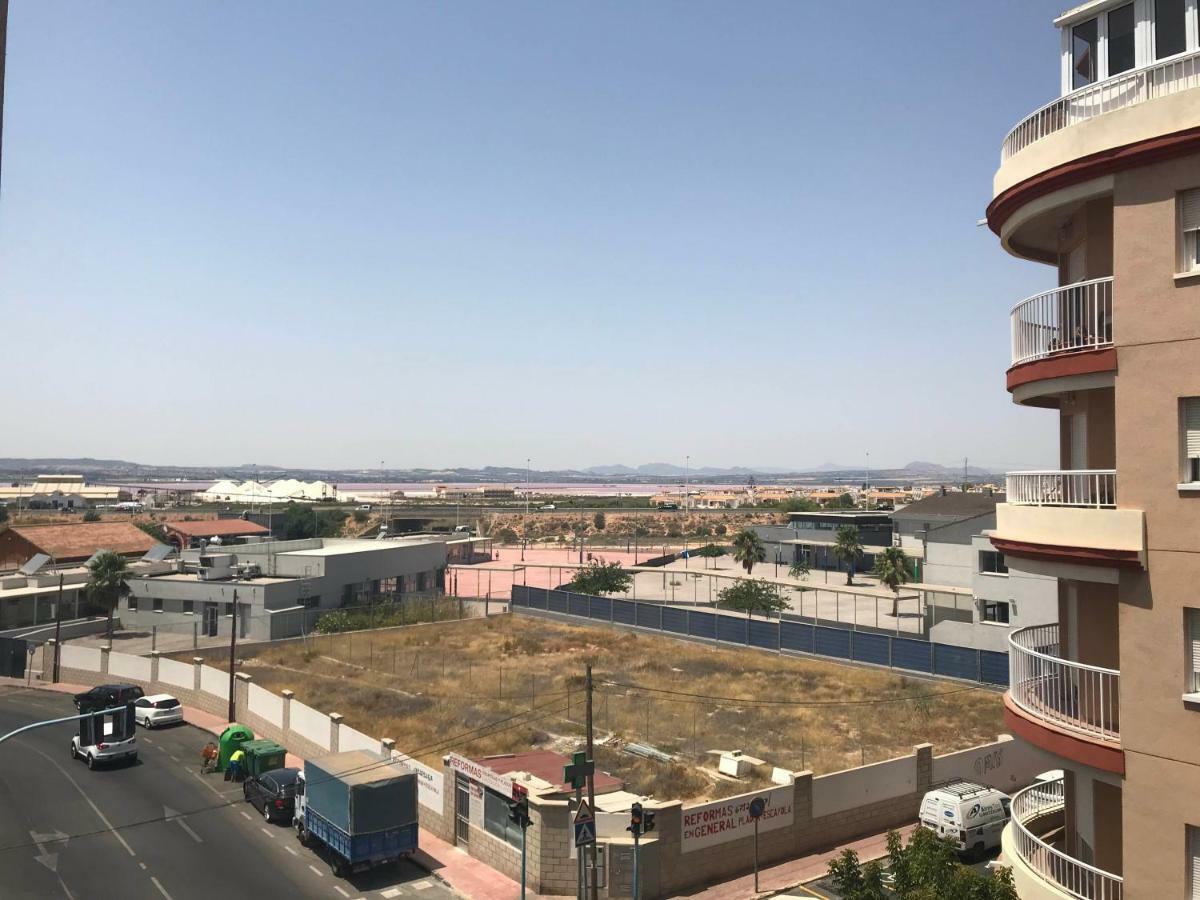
1096, 488
1071, 695
1065, 320
1119, 92
1041, 801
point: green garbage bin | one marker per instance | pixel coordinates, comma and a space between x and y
263, 756
231, 738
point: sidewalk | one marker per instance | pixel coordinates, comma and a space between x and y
462, 873
779, 878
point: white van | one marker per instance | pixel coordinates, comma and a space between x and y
968, 815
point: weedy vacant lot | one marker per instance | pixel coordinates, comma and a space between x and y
426, 685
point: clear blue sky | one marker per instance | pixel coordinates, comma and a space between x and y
471, 233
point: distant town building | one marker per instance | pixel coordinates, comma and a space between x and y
71, 543
254, 493
184, 535
59, 492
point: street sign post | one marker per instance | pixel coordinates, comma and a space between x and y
576, 774
757, 806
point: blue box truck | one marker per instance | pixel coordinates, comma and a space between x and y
361, 806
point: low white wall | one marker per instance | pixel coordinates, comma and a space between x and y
123, 665
349, 739
430, 782
214, 681
80, 658
310, 724
840, 791
265, 704
1006, 765
171, 671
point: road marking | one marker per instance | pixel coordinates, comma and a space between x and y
83, 794
151, 742
170, 814
206, 784
291, 850
391, 892
317, 872
341, 891
143, 865
422, 885
162, 890
267, 832
246, 814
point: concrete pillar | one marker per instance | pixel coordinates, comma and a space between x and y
197, 663
154, 655
335, 726
924, 760
241, 690
386, 746
104, 652
287, 713
48, 660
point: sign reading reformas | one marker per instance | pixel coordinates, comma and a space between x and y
728, 820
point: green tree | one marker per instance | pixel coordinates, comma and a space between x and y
91, 515
106, 583
599, 521
800, 569
750, 597
928, 869
748, 549
799, 504
155, 531
891, 568
844, 501
302, 520
720, 530
854, 881
709, 551
848, 549
599, 578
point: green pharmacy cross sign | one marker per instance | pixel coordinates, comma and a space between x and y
576, 774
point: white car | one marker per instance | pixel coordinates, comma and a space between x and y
157, 709
105, 751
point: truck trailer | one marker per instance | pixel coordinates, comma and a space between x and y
361, 806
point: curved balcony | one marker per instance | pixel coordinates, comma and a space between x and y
1083, 488
1069, 695
1040, 868
1068, 319
1119, 92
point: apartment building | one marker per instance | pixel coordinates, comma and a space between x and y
1102, 185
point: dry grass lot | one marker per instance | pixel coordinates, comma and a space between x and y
425, 685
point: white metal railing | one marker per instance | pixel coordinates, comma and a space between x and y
1071, 875
1067, 319
1071, 487
1071, 695
1126, 89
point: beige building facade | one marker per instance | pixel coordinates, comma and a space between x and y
1103, 187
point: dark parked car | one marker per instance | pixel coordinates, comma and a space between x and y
107, 696
273, 794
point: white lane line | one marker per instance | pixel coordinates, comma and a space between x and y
143, 865
291, 850
317, 872
162, 890
341, 891
95, 808
246, 814
151, 742
422, 885
206, 784
267, 832
390, 892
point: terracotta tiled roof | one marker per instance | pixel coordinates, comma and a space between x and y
214, 527
79, 541
548, 766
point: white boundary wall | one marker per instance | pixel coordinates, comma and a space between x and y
840, 791
1006, 765
80, 658
173, 672
266, 705
310, 724
212, 681
429, 782
126, 666
349, 739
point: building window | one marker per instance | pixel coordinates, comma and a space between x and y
495, 818
1193, 849
131, 603
157, 604
1188, 204
991, 562
995, 611
1170, 27
1085, 38
1120, 40
1189, 425
189, 606
1192, 617
229, 609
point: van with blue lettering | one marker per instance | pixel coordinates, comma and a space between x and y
968, 815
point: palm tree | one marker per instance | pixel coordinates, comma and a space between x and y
748, 549
891, 568
848, 549
800, 569
106, 583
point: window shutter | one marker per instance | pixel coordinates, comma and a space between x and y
1191, 426
1193, 616
1194, 862
1189, 210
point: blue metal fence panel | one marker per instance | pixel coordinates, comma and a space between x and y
537, 598
623, 612
578, 604
796, 636
731, 629
649, 615
957, 662
674, 620
556, 601
832, 642
910, 654
993, 667
520, 595
702, 624
871, 648
764, 634
601, 608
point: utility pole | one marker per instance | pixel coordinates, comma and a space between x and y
58, 627
525, 521
233, 659
593, 889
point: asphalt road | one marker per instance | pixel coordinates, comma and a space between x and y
156, 829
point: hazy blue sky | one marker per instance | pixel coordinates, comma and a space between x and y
467, 233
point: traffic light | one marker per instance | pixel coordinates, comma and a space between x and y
636, 820
518, 813
647, 820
